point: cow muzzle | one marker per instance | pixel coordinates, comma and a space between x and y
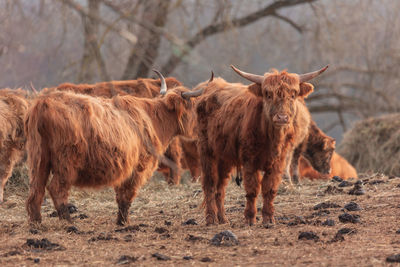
280, 119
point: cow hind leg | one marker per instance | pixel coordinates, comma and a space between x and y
5, 174
209, 184
125, 193
252, 186
223, 173
59, 190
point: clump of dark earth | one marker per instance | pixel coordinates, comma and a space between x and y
352, 206
81, 216
161, 212
190, 222
346, 231
392, 177
225, 238
347, 217
43, 244
160, 230
321, 213
357, 190
398, 231
188, 258
12, 253
143, 225
333, 190
296, 221
33, 231
160, 257
206, 259
308, 236
337, 179
72, 208
37, 260
128, 238
163, 247
393, 258
125, 259
328, 222
72, 229
167, 223
345, 184
326, 205
376, 182
53, 214
130, 228
103, 237
194, 238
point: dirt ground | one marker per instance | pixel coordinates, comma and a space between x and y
157, 225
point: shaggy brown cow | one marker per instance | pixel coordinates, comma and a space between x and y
93, 142
13, 106
253, 127
340, 167
317, 148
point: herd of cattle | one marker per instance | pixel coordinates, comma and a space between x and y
118, 133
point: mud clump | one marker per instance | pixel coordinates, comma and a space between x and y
160, 230
103, 237
206, 259
346, 231
194, 238
225, 238
187, 258
130, 229
349, 218
337, 179
357, 190
352, 206
328, 222
345, 184
297, 220
125, 259
190, 222
393, 258
333, 190
308, 236
43, 244
160, 257
73, 230
326, 205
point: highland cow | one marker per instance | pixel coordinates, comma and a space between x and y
250, 126
13, 106
95, 142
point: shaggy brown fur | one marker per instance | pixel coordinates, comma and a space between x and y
317, 148
13, 106
147, 88
250, 126
93, 142
340, 167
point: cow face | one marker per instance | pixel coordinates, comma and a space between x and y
320, 154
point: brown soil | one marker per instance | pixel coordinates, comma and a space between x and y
157, 235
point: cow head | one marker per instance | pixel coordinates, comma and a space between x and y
319, 154
178, 101
279, 91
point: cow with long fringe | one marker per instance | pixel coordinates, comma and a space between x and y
13, 105
92, 142
251, 126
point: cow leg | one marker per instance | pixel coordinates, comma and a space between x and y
286, 175
7, 162
223, 173
252, 186
174, 153
295, 165
209, 184
125, 193
59, 190
270, 184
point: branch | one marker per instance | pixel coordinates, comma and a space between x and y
122, 32
289, 21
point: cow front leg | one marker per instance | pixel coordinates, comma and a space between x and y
125, 193
270, 184
287, 178
252, 186
295, 165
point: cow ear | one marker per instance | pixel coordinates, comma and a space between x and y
175, 103
255, 89
306, 89
329, 143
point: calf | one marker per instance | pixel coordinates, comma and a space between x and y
95, 142
251, 126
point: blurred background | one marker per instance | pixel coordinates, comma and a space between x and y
48, 42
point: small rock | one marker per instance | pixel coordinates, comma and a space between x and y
393, 258
398, 231
37, 260
125, 259
187, 258
225, 238
308, 236
329, 222
346, 217
337, 179
161, 212
345, 184
326, 205
72, 229
190, 222
352, 206
206, 259
160, 257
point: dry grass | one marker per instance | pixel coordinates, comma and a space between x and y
159, 203
374, 145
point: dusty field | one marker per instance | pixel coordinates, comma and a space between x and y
157, 218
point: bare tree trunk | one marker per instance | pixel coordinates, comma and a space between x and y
145, 52
91, 51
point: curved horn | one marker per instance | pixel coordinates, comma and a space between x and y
311, 75
212, 77
188, 95
163, 88
251, 77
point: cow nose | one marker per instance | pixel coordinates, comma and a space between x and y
281, 118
